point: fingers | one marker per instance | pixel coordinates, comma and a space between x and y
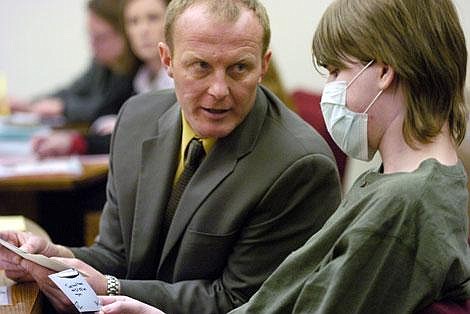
125, 305
51, 291
55, 144
108, 299
94, 278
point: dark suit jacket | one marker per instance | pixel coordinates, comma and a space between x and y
97, 92
260, 193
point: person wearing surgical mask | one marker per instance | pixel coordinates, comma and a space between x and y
398, 241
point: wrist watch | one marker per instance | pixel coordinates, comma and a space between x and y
112, 286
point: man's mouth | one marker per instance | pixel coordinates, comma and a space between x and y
216, 111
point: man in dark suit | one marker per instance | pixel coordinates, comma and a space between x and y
267, 182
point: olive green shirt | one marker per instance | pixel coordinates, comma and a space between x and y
397, 243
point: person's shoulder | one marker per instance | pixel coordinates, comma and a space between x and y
292, 131
432, 193
153, 104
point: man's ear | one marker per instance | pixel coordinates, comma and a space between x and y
387, 76
265, 64
165, 58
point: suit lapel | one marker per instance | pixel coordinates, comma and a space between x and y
155, 181
220, 162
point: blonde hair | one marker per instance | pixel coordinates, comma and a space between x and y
227, 10
422, 40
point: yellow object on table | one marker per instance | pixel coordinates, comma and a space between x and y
14, 222
4, 108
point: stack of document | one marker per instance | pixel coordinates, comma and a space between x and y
32, 167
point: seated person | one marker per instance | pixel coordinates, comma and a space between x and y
143, 22
108, 80
262, 181
398, 241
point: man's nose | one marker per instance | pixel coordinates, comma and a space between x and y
218, 86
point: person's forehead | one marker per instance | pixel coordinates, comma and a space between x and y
198, 21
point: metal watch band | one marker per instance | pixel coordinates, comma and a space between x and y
113, 286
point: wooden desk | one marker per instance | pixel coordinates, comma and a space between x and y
25, 297
58, 202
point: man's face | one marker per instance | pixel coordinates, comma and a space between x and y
216, 66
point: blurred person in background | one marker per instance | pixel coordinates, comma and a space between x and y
143, 23
107, 81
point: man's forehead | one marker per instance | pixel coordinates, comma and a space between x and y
197, 19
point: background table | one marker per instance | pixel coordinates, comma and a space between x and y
26, 297
58, 203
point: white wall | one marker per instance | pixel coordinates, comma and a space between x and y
43, 42
44, 45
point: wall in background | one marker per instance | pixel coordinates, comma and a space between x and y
44, 44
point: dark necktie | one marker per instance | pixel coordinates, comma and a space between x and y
193, 157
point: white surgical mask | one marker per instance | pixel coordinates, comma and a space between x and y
347, 128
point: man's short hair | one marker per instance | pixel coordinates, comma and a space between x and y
227, 10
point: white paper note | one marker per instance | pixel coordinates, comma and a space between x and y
77, 289
65, 166
4, 296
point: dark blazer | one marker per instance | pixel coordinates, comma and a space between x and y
96, 92
260, 193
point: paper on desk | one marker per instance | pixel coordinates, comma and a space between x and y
36, 258
15, 222
67, 166
77, 290
5, 298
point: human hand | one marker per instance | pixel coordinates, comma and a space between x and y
57, 143
94, 278
58, 300
48, 107
56, 297
16, 104
30, 243
125, 305
104, 125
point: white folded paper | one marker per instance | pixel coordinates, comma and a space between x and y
77, 290
36, 258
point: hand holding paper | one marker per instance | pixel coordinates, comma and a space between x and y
77, 290
36, 258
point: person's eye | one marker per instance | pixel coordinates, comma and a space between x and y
238, 70
154, 17
202, 65
132, 21
199, 68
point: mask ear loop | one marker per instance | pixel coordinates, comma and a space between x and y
373, 100
360, 72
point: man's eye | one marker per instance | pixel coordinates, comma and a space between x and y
240, 67
202, 65
238, 70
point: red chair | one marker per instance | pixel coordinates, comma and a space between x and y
447, 307
308, 108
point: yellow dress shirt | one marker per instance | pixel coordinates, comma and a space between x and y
186, 137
